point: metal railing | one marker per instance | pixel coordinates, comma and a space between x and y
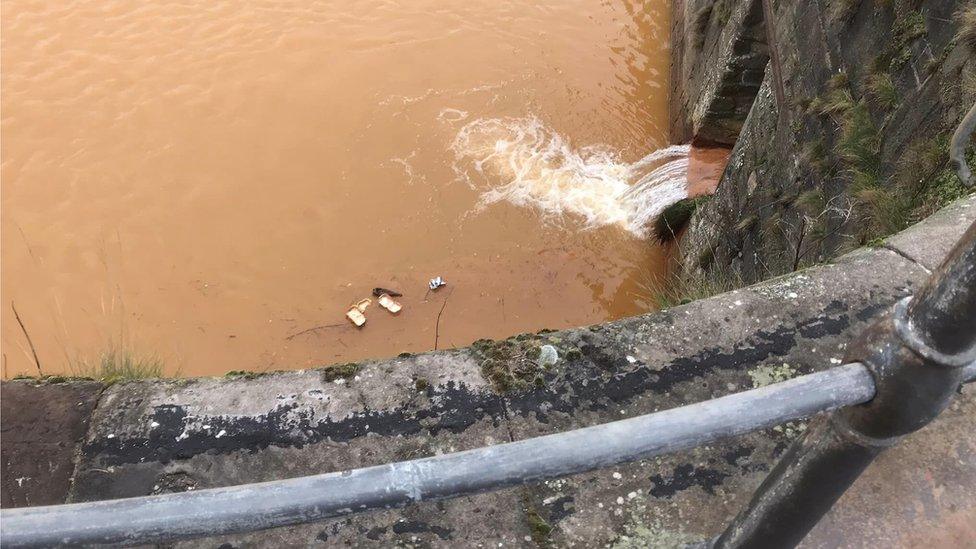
900, 374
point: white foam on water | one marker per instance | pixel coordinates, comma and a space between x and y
451, 115
522, 161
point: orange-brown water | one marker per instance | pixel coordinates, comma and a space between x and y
203, 180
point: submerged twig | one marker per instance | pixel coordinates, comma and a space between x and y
26, 242
437, 325
37, 361
314, 329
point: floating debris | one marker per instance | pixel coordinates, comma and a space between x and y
436, 283
387, 302
355, 313
378, 292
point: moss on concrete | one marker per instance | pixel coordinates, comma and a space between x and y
421, 384
674, 218
539, 528
243, 374
250, 374
511, 364
51, 379
340, 371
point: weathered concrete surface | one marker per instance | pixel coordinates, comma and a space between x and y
150, 437
703, 350
928, 242
40, 432
920, 493
787, 198
154, 437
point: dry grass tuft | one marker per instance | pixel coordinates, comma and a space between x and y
119, 363
966, 35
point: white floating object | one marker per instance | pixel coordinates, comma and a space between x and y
355, 313
387, 302
436, 283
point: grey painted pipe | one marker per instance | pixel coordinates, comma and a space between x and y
265, 505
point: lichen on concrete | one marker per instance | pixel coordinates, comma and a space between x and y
643, 530
768, 374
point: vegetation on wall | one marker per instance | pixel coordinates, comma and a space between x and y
967, 26
685, 286
872, 152
887, 199
674, 218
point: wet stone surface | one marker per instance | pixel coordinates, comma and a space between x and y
42, 427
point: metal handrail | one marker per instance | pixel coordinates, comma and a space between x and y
260, 506
918, 354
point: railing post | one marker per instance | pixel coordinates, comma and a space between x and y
916, 354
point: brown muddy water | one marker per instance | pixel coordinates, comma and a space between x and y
214, 182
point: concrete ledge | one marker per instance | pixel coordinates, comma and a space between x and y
159, 436
150, 437
928, 242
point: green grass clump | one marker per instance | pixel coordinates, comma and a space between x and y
882, 89
859, 141
838, 81
815, 156
921, 184
942, 189
811, 201
907, 28
119, 363
880, 211
339, 371
966, 35
670, 222
747, 223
